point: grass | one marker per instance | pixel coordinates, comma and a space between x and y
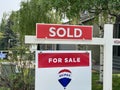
96, 85
4, 88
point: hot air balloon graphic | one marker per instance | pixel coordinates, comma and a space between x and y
64, 77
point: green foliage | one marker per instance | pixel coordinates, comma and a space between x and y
21, 77
33, 12
53, 11
116, 82
30, 13
4, 88
96, 85
23, 80
8, 35
95, 82
73, 8
14, 17
1, 35
3, 22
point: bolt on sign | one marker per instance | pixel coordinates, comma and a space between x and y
63, 70
57, 31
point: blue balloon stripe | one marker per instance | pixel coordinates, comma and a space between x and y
64, 81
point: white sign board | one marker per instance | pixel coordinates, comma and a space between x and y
63, 70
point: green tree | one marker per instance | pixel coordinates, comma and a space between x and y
73, 8
8, 35
30, 13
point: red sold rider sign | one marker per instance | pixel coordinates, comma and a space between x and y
55, 31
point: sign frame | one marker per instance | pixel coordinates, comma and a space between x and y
106, 41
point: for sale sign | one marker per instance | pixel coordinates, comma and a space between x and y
55, 31
63, 70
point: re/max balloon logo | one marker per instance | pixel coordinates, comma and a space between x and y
64, 77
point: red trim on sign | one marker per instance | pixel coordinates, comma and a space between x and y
46, 60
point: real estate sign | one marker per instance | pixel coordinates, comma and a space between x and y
59, 70
107, 41
57, 31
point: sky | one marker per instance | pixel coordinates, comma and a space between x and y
8, 5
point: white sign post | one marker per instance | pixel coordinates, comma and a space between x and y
107, 43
